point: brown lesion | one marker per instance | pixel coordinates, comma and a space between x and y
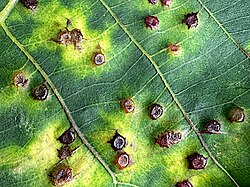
61, 174
20, 80
173, 49
168, 138
67, 37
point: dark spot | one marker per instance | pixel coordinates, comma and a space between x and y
236, 114
118, 142
66, 152
168, 138
153, 1
61, 174
69, 37
155, 111
67, 137
212, 127
41, 92
191, 20
166, 3
20, 80
128, 105
122, 160
197, 161
30, 4
151, 22
174, 49
184, 183
99, 59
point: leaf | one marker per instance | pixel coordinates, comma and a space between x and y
204, 81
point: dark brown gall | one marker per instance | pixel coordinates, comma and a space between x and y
30, 4
197, 161
67, 137
155, 111
122, 160
41, 92
237, 115
184, 183
61, 174
20, 80
151, 22
128, 105
167, 139
212, 127
191, 20
118, 142
66, 152
67, 37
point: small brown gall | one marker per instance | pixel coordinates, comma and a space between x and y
191, 20
61, 174
41, 92
66, 152
184, 183
20, 80
197, 161
118, 142
151, 22
236, 115
128, 105
167, 3
30, 4
155, 111
67, 137
122, 160
99, 59
212, 127
167, 139
173, 49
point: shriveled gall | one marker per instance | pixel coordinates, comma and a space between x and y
66, 152
212, 127
184, 183
118, 142
99, 59
151, 22
128, 105
155, 111
67, 37
167, 3
153, 2
197, 161
173, 49
41, 92
61, 175
67, 137
191, 20
237, 115
167, 139
30, 4
122, 160
20, 80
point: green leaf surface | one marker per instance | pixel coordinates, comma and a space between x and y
208, 78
